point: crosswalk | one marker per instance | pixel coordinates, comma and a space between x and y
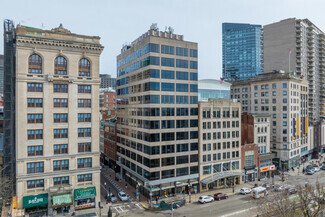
122, 208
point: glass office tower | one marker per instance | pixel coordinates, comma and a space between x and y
157, 118
242, 51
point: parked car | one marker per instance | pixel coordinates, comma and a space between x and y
245, 191
310, 167
316, 167
205, 199
122, 196
279, 188
292, 191
220, 196
322, 167
310, 171
267, 186
111, 198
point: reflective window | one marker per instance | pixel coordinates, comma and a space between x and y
84, 67
60, 66
35, 64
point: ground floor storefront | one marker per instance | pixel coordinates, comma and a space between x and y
61, 203
36, 205
85, 198
220, 180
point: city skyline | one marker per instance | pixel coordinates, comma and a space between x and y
198, 22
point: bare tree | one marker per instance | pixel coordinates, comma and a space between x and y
5, 190
307, 202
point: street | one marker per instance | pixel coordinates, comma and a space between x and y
236, 205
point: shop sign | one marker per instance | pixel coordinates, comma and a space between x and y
264, 169
82, 193
250, 171
272, 167
35, 200
87, 205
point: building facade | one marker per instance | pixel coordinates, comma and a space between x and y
110, 101
57, 89
214, 89
298, 45
283, 96
1, 74
219, 143
110, 153
157, 133
242, 51
106, 81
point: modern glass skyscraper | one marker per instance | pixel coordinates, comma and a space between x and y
242, 51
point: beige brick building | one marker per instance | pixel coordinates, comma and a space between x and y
219, 143
157, 133
283, 96
57, 122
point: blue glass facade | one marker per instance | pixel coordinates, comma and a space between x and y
242, 51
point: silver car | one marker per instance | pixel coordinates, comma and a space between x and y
122, 196
112, 198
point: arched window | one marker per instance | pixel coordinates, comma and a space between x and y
35, 64
60, 66
84, 67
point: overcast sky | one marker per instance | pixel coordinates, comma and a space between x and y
120, 21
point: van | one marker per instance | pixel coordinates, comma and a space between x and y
259, 192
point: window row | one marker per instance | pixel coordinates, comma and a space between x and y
220, 146
35, 65
219, 124
219, 135
166, 112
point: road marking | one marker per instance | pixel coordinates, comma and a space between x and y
238, 212
138, 205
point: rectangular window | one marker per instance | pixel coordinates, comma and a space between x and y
181, 135
60, 88
181, 75
181, 87
167, 62
84, 88
35, 167
167, 99
84, 117
167, 124
193, 88
193, 53
39, 183
60, 133
165, 49
152, 60
60, 165
193, 64
35, 102
85, 178
167, 149
84, 103
35, 150
193, 76
154, 73
84, 132
181, 99
60, 149
152, 47
182, 63
166, 74
35, 134
60, 117
167, 136
182, 159
167, 87
84, 147
181, 51
34, 87
35, 118
167, 111
61, 180
84, 162
60, 103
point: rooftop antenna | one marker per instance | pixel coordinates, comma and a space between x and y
170, 30
43, 26
154, 26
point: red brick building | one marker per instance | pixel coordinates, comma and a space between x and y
110, 100
110, 155
250, 161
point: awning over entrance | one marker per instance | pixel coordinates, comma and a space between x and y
61, 199
82, 193
35, 200
220, 175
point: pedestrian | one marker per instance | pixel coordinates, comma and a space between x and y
126, 186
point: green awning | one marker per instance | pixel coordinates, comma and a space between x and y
82, 193
61, 199
35, 200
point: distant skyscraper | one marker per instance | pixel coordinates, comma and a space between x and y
107, 81
242, 51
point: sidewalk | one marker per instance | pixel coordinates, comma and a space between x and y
120, 185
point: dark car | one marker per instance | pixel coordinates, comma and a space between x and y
322, 167
220, 196
292, 191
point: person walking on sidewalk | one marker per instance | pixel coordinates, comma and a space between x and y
126, 187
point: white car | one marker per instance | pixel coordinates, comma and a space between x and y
205, 199
316, 167
245, 191
122, 196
